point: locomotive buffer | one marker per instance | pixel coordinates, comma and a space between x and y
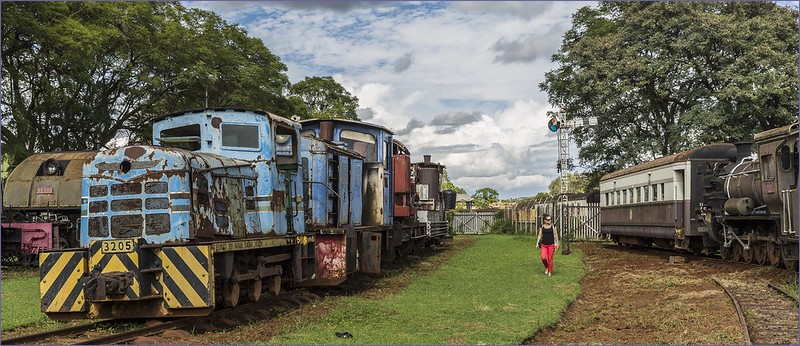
562, 129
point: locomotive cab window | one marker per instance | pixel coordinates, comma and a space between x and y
240, 136
768, 167
786, 157
362, 143
285, 145
184, 137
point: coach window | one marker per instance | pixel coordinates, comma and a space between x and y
663, 197
638, 195
646, 194
607, 201
655, 192
240, 136
616, 193
362, 143
624, 196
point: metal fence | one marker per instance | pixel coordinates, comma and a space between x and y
472, 222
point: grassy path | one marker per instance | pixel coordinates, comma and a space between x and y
493, 293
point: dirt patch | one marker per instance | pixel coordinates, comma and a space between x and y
634, 297
392, 280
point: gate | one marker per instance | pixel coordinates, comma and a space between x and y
579, 220
472, 222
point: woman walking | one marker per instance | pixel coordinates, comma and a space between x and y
547, 240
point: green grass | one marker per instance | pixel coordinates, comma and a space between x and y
493, 293
20, 291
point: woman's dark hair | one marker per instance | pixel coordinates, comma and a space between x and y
544, 216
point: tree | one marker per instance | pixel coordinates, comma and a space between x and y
324, 98
663, 77
75, 74
576, 183
448, 185
485, 197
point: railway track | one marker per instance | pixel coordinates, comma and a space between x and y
768, 314
266, 308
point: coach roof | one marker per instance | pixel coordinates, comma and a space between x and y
780, 131
711, 151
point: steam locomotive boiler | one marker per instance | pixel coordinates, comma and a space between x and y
750, 202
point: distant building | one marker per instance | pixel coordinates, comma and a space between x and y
463, 200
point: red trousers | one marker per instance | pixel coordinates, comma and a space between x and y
547, 256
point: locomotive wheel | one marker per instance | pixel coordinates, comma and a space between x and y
788, 261
748, 255
254, 290
736, 252
760, 252
774, 253
274, 285
725, 252
230, 293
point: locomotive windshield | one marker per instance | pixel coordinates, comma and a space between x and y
242, 136
184, 137
362, 143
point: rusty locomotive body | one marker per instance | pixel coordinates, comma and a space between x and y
42, 206
738, 200
227, 205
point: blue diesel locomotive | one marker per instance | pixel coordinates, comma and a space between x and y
226, 205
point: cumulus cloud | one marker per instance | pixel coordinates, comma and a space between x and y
365, 113
528, 47
458, 91
403, 63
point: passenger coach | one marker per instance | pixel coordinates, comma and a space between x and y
654, 202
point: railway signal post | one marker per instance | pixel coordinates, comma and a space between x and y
562, 129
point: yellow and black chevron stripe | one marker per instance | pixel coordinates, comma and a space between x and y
187, 276
118, 262
62, 277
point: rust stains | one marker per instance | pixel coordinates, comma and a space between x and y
277, 203
134, 152
215, 121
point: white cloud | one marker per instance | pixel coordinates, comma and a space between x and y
477, 64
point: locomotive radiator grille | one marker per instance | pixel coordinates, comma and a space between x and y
62, 280
187, 276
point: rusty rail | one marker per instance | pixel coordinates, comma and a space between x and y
742, 321
32, 338
782, 291
133, 334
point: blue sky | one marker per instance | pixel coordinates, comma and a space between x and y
457, 80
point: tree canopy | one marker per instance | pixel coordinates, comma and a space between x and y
75, 74
447, 184
323, 98
485, 197
663, 77
576, 183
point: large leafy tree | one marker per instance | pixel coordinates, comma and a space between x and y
323, 98
663, 77
576, 183
76, 74
485, 197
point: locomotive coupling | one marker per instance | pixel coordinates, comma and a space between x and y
107, 285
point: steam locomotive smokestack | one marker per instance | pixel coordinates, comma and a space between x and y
743, 149
427, 158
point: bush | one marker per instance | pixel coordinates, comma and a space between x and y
501, 225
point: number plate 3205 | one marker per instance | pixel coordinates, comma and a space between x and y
117, 246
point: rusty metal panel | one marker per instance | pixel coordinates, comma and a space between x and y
25, 188
402, 176
356, 183
331, 259
344, 193
369, 252
372, 194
